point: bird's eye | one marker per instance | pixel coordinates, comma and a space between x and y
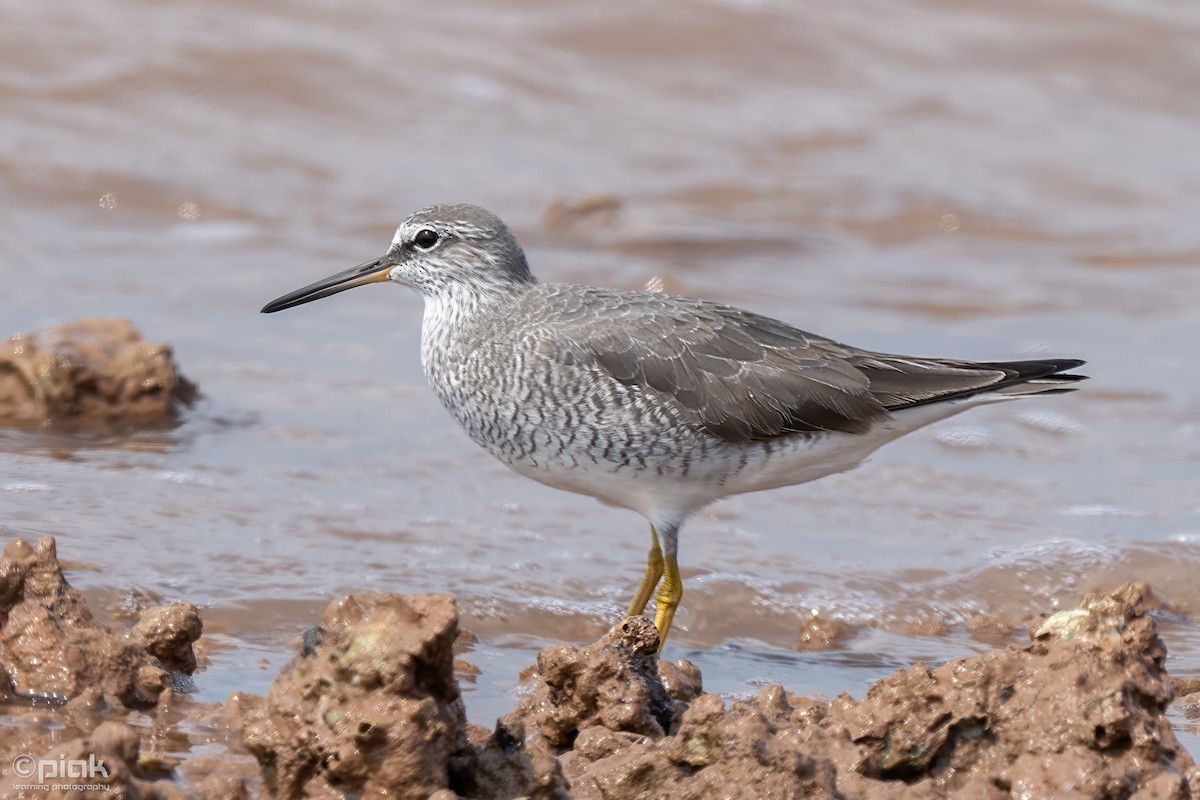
425, 238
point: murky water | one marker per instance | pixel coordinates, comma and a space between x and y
928, 177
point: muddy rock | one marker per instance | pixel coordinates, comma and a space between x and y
927, 625
613, 684
1077, 713
610, 720
581, 704
744, 751
168, 632
53, 648
369, 707
819, 634
91, 371
1080, 712
681, 679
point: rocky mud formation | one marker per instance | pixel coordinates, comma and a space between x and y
1079, 712
52, 649
64, 670
371, 704
89, 372
370, 708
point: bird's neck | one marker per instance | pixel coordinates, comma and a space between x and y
453, 312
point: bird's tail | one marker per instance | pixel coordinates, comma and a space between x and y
1042, 376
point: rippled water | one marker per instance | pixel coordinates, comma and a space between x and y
930, 177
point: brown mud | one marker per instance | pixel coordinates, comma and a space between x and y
370, 707
90, 372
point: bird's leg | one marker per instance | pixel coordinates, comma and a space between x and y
671, 590
654, 571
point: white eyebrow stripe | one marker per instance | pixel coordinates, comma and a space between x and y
399, 235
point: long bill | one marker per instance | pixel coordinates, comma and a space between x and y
372, 272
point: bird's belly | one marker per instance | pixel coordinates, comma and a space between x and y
640, 458
618, 464
648, 490
672, 478
663, 480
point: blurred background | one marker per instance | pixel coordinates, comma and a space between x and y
939, 178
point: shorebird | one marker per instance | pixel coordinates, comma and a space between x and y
657, 403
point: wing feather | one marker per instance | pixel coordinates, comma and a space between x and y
743, 377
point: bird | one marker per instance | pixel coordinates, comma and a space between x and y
658, 403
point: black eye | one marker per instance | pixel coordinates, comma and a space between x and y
425, 238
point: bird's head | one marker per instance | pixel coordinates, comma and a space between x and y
438, 250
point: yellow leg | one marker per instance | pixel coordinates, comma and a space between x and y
654, 571
669, 595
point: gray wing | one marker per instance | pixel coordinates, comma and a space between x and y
745, 377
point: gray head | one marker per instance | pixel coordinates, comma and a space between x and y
438, 250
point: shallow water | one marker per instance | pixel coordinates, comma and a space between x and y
928, 177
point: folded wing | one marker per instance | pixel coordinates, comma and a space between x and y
743, 377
